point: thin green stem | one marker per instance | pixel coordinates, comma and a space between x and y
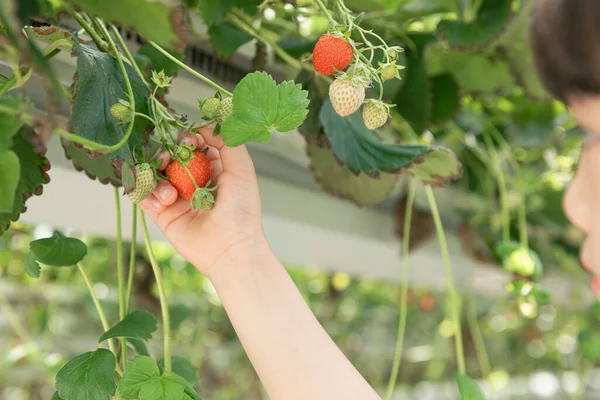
502, 188
90, 31
403, 291
522, 212
455, 306
190, 70
146, 117
131, 273
325, 11
478, 341
127, 52
105, 325
8, 85
120, 272
161, 294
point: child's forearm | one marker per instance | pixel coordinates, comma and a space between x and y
291, 352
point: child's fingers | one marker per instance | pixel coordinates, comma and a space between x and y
163, 196
191, 140
213, 141
166, 157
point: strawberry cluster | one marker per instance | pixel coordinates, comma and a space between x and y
333, 53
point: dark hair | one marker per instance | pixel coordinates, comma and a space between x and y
566, 46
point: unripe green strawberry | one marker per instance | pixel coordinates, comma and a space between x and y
226, 109
144, 183
389, 72
121, 112
374, 114
346, 96
210, 107
523, 262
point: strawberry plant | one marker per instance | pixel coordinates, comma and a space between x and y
376, 100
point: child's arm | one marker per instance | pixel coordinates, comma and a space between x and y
292, 354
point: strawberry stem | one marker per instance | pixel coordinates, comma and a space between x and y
403, 290
164, 306
190, 70
454, 299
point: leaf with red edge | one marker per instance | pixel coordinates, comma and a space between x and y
338, 180
362, 151
28, 147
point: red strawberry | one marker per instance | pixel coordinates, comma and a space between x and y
197, 164
331, 52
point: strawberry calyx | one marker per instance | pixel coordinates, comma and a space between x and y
184, 153
203, 198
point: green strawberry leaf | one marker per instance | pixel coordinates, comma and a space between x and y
182, 367
445, 101
178, 313
139, 346
58, 250
515, 47
98, 80
60, 37
260, 105
137, 325
162, 21
159, 61
89, 376
102, 168
317, 93
214, 12
361, 151
468, 388
31, 265
474, 73
36, 8
55, 396
362, 189
10, 169
413, 100
27, 145
142, 379
492, 17
10, 124
225, 38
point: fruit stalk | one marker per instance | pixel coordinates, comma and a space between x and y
403, 291
164, 306
478, 342
132, 252
105, 325
454, 300
496, 169
326, 13
120, 273
190, 70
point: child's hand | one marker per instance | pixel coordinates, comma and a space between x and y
231, 228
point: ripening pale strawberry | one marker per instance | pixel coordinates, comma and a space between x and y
226, 109
331, 52
210, 107
197, 164
145, 183
374, 114
346, 96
